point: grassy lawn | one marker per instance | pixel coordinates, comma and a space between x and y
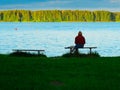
57, 73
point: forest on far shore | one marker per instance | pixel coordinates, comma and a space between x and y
59, 16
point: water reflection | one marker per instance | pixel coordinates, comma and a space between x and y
57, 37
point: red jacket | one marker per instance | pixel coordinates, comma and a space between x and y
79, 39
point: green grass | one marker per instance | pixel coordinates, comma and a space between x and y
78, 54
59, 73
26, 54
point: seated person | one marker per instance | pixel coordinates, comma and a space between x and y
79, 41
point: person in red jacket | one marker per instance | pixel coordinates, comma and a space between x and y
79, 41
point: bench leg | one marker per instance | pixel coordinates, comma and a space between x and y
90, 50
38, 52
70, 50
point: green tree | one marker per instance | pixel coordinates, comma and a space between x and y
117, 16
58, 16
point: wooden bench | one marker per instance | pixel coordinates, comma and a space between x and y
28, 50
71, 47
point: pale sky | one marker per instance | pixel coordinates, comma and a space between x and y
111, 5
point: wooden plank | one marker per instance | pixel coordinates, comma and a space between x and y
79, 48
27, 50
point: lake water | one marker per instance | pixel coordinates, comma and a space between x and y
53, 37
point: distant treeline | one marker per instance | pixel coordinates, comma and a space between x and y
59, 16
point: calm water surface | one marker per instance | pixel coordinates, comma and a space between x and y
53, 37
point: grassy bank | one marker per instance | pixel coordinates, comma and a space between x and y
58, 73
